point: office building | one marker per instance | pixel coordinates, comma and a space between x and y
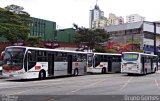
134, 18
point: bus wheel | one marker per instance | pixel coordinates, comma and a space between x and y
76, 72
42, 75
103, 70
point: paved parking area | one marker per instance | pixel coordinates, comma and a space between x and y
98, 87
106, 84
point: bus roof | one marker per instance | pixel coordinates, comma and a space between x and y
37, 48
140, 53
105, 53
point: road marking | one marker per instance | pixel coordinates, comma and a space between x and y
35, 85
4, 83
19, 92
91, 84
156, 83
125, 84
88, 86
52, 100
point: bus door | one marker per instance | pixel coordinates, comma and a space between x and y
69, 69
89, 60
51, 64
109, 64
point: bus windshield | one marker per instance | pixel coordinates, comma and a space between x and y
13, 58
130, 56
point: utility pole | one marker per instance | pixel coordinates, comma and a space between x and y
155, 48
96, 2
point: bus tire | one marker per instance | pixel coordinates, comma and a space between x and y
76, 72
104, 70
129, 74
42, 74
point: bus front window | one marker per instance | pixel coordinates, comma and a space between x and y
13, 58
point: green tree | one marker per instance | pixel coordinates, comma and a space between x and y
89, 37
14, 23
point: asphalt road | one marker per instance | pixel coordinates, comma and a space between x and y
106, 84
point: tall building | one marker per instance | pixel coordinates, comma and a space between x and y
99, 23
95, 14
120, 20
134, 18
114, 20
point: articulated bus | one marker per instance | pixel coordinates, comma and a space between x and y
22, 62
103, 63
139, 63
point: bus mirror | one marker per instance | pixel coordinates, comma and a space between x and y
2, 54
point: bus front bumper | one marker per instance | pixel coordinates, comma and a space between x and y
13, 77
131, 71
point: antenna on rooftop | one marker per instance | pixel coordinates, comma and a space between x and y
96, 2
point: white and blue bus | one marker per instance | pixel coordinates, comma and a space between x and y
138, 63
104, 63
22, 62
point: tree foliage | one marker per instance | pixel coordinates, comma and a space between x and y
89, 37
14, 24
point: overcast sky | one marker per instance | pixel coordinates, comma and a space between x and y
67, 12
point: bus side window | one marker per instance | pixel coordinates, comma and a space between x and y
32, 56
31, 59
79, 58
155, 59
41, 56
105, 58
97, 60
84, 57
116, 59
74, 58
110, 59
119, 58
60, 57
